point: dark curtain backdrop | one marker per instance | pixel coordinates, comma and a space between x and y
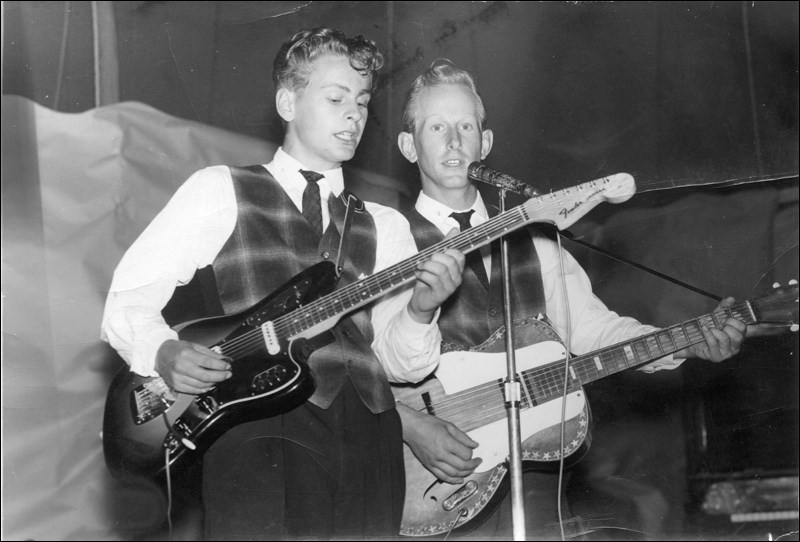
679, 92
698, 101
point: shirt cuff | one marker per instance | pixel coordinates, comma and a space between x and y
421, 345
407, 324
143, 360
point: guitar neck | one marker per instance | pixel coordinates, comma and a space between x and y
561, 208
547, 382
365, 291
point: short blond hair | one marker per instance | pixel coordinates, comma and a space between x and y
292, 66
441, 72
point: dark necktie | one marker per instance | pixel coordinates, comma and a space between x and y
312, 209
474, 259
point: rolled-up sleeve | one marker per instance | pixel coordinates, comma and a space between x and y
407, 350
185, 236
582, 318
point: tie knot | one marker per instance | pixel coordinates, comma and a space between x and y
463, 219
311, 176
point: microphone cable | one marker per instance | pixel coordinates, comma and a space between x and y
567, 349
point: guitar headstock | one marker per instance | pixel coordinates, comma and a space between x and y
779, 307
565, 207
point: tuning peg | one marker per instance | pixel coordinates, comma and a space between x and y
792, 282
776, 284
794, 327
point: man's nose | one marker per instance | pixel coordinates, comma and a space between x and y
454, 141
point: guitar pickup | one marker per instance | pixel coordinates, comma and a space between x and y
270, 338
460, 496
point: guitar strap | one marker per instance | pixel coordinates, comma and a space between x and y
353, 204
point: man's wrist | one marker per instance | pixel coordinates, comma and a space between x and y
421, 317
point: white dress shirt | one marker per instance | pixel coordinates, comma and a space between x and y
191, 230
592, 325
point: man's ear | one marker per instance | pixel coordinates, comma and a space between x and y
284, 103
405, 141
487, 138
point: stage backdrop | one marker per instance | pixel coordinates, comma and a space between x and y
699, 102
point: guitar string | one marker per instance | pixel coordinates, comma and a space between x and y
463, 241
484, 233
546, 381
645, 348
354, 293
650, 346
668, 340
549, 385
253, 339
553, 374
661, 342
549, 378
283, 326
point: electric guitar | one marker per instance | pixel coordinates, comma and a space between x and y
148, 427
467, 390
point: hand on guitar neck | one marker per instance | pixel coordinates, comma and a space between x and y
720, 343
437, 279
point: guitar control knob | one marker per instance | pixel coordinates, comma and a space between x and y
272, 377
207, 403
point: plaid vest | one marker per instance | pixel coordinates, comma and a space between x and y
272, 242
472, 314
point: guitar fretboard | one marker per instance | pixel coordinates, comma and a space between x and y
480, 405
562, 208
545, 383
477, 406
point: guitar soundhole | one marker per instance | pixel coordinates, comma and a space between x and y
271, 378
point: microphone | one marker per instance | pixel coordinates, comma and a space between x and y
479, 172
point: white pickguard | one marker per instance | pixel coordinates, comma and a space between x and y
458, 371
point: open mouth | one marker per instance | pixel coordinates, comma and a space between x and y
348, 137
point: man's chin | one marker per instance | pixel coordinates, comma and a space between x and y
455, 179
344, 154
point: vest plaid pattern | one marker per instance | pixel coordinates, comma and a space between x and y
474, 260
473, 313
271, 242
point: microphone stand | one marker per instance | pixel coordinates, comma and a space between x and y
512, 388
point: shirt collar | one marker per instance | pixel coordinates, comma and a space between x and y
290, 167
439, 214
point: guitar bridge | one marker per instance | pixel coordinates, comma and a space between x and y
150, 400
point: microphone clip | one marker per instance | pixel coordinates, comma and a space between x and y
480, 172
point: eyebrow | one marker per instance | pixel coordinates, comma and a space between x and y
347, 89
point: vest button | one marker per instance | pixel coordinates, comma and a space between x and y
492, 312
325, 255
